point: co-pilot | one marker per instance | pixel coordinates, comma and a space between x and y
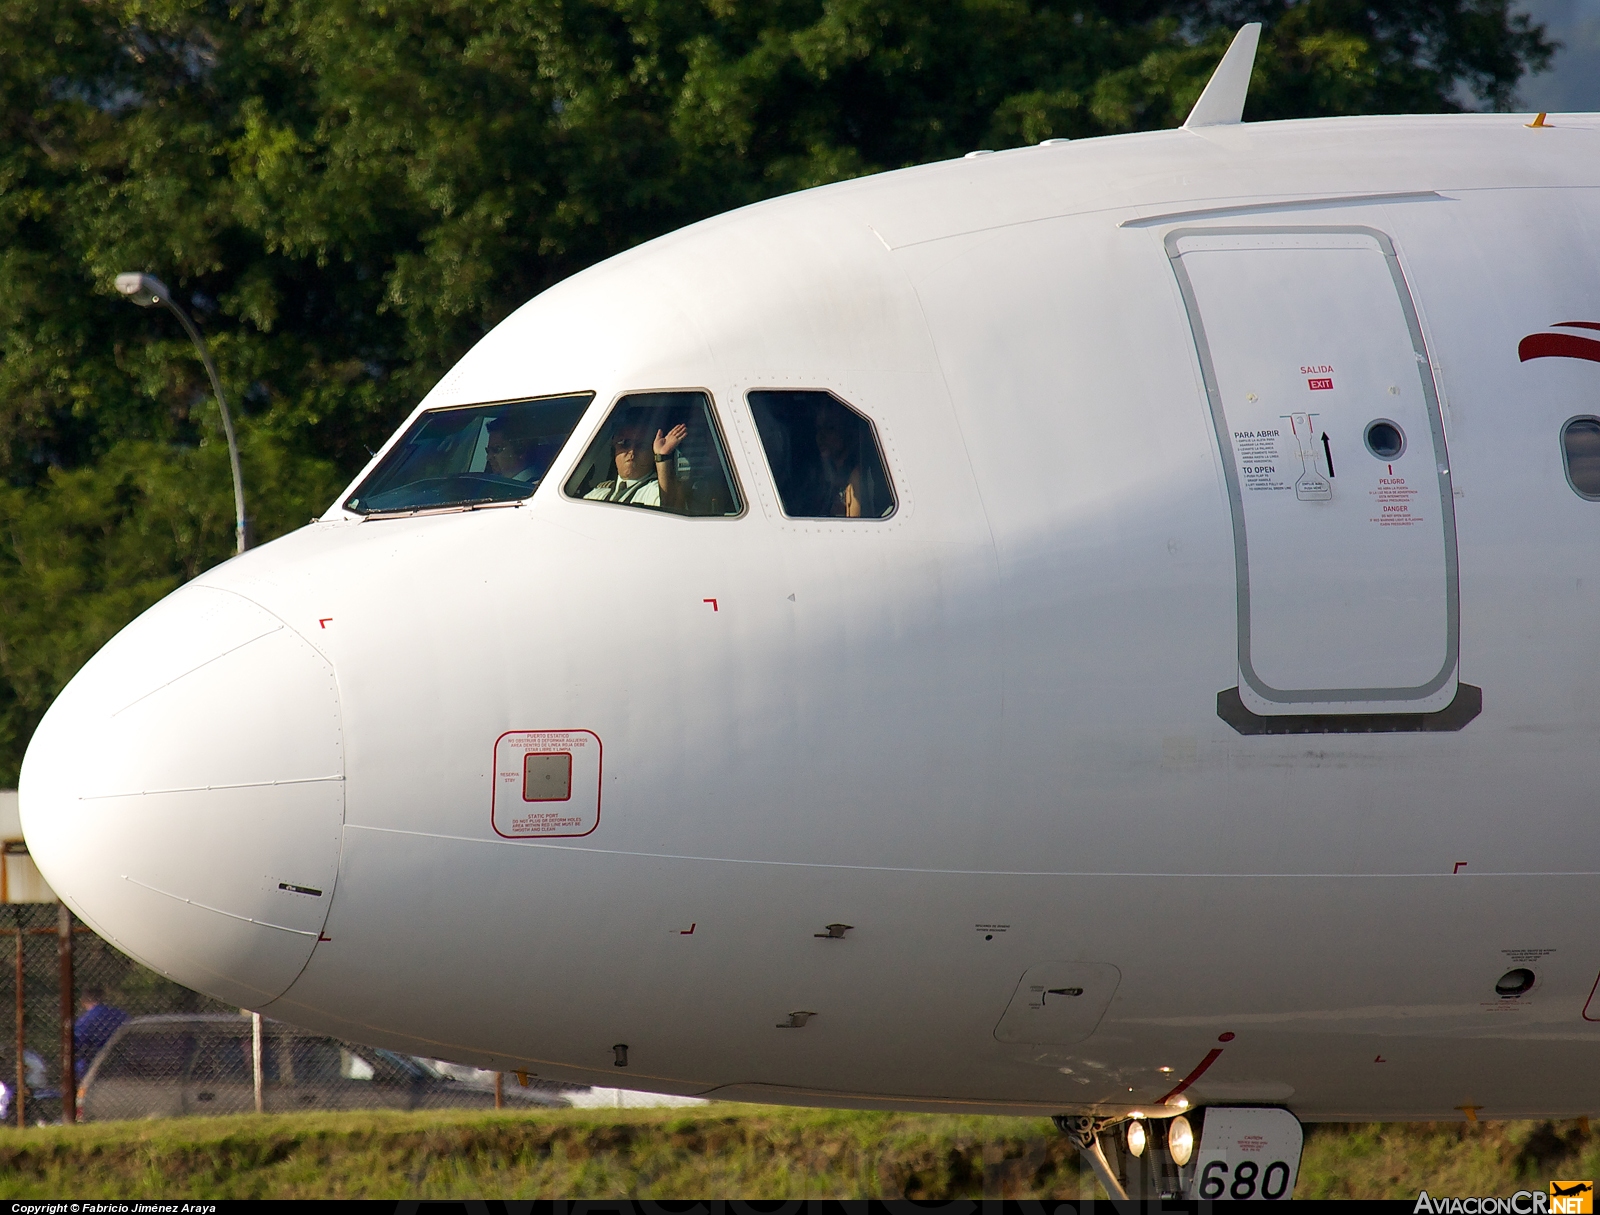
647, 471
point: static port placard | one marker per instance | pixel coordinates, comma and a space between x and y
546, 784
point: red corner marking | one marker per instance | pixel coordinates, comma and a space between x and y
689, 931
323, 621
713, 602
1460, 865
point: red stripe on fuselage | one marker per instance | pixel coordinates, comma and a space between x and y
1192, 1076
1558, 346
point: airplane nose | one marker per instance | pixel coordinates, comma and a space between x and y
185, 794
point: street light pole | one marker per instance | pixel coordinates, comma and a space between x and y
147, 290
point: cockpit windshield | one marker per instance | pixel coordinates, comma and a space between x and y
470, 456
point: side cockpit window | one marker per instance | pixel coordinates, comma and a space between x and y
824, 456
1580, 449
470, 456
660, 451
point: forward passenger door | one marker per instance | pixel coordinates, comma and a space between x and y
1323, 400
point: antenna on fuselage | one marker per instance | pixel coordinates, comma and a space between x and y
1223, 100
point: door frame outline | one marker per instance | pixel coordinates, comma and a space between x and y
1235, 496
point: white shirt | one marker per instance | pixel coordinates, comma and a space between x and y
646, 491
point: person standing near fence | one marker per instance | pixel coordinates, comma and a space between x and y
93, 1028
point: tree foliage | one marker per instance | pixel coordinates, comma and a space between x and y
348, 193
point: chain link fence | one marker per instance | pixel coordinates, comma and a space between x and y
90, 1034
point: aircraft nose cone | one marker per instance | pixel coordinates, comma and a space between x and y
185, 794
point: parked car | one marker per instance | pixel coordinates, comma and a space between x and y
174, 1065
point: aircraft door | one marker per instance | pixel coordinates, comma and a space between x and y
1326, 412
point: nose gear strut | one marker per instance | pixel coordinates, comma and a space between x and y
1085, 1136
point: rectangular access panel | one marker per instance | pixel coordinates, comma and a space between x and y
1333, 448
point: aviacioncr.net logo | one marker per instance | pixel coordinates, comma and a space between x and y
1571, 1197
1563, 1198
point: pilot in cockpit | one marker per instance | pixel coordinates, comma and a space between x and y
836, 484
520, 449
646, 468
509, 455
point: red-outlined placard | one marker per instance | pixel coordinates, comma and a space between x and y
514, 818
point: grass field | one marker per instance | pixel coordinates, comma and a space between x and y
710, 1151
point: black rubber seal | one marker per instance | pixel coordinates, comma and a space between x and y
1467, 704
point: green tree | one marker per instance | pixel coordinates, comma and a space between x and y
348, 193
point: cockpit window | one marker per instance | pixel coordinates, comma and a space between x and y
471, 456
658, 450
824, 456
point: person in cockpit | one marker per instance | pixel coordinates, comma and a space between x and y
837, 487
647, 471
509, 455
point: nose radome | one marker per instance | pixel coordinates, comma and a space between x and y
185, 794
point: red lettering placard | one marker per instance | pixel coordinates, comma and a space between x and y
546, 784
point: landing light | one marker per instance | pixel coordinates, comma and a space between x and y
1136, 1138
1180, 1140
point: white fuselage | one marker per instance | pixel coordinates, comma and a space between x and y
983, 732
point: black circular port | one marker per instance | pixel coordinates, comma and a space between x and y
1514, 982
1384, 439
